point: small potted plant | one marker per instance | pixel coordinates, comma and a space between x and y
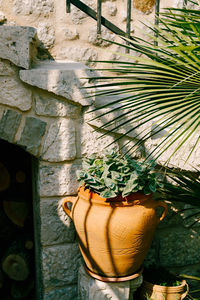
160, 284
114, 214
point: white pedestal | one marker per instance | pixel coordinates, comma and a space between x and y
93, 289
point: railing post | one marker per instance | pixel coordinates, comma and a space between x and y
128, 21
98, 16
93, 14
68, 6
157, 10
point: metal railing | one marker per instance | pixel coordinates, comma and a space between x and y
97, 15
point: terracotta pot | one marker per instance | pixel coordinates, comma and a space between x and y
114, 234
158, 292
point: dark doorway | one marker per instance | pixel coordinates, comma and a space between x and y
17, 265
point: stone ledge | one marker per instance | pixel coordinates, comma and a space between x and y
65, 79
90, 288
50, 105
17, 44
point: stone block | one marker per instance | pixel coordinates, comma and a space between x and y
99, 40
33, 7
145, 6
77, 15
14, 93
56, 226
9, 124
65, 293
60, 78
111, 8
60, 142
181, 3
6, 68
59, 180
179, 247
123, 15
17, 44
86, 55
60, 265
91, 141
2, 17
46, 35
32, 134
70, 34
47, 105
90, 288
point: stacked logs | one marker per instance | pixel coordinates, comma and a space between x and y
16, 235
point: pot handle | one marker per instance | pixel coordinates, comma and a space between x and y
65, 207
186, 292
164, 205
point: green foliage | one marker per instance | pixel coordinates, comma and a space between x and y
184, 188
160, 85
161, 276
114, 174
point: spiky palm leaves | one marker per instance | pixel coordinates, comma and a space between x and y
162, 86
184, 188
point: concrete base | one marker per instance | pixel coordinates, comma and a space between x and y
90, 288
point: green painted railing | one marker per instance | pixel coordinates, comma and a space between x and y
97, 15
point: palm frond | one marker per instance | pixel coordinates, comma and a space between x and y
163, 84
180, 187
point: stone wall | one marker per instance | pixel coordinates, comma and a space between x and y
46, 124
73, 36
42, 110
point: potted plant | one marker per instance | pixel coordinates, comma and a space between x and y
160, 284
115, 215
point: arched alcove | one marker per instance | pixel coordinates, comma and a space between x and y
17, 251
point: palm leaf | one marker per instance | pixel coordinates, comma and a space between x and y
183, 188
162, 85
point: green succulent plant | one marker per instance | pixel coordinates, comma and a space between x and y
116, 174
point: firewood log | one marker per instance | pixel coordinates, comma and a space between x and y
4, 177
16, 211
16, 261
20, 290
8, 230
1, 279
